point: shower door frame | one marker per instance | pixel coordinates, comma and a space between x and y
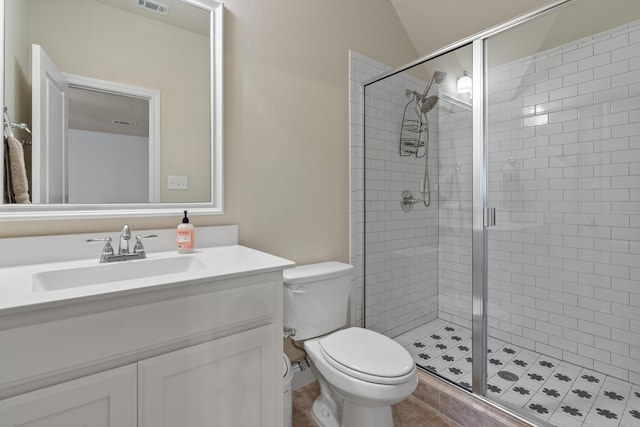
479, 238
481, 214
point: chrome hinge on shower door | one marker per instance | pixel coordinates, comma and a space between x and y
489, 217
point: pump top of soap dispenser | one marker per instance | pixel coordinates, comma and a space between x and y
185, 220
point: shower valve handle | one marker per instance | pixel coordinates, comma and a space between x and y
408, 200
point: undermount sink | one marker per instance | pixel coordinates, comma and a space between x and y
105, 273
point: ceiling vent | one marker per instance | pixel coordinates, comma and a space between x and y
153, 6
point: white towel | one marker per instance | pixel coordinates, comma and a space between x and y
19, 181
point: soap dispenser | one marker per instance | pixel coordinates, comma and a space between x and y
185, 235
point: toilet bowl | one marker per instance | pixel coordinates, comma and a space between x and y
361, 372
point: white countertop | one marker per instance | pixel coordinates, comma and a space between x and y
215, 263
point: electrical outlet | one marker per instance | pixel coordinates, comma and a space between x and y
178, 183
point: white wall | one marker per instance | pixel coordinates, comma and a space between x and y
107, 167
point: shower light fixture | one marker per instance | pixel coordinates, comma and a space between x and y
465, 83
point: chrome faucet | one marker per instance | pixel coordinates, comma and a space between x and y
108, 254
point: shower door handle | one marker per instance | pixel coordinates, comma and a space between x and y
489, 217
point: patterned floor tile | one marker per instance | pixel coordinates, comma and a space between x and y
556, 391
542, 405
568, 418
631, 416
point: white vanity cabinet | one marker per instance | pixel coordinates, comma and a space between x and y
106, 399
223, 382
226, 380
203, 352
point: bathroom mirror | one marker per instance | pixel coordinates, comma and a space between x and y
165, 56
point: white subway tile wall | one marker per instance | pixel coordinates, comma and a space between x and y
454, 272
361, 69
401, 247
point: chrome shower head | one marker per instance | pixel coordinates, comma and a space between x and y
438, 77
428, 104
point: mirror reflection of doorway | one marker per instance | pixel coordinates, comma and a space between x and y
94, 141
107, 147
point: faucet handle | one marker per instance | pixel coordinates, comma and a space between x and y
139, 247
104, 239
107, 250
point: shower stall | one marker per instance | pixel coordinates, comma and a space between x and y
498, 228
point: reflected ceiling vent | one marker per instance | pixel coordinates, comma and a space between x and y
121, 122
153, 6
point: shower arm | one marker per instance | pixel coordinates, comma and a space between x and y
438, 77
426, 90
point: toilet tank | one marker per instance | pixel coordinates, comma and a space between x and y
316, 298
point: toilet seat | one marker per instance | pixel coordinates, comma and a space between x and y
368, 356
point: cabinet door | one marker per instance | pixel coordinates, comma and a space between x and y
228, 382
107, 399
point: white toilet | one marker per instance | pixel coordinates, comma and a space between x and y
361, 372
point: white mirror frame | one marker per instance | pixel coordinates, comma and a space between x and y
22, 212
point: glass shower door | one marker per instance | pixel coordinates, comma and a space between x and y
563, 165
417, 237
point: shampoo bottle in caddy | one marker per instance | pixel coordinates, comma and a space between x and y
185, 236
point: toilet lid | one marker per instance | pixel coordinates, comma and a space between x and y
361, 351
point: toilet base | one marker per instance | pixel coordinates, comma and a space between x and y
322, 415
353, 415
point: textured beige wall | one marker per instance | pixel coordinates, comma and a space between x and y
17, 94
286, 124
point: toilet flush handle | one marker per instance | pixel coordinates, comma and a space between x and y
299, 291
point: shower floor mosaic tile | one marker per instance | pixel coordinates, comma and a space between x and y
560, 393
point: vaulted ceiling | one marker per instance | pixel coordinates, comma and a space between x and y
433, 24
